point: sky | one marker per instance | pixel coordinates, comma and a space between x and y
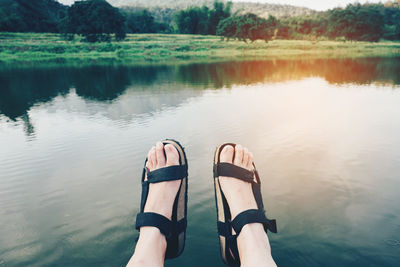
313, 4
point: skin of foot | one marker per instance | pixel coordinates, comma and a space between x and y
253, 243
151, 246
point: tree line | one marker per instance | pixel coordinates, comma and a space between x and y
355, 22
97, 20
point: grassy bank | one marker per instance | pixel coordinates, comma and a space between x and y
30, 48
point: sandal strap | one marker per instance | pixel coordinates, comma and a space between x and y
231, 170
167, 227
154, 220
171, 173
224, 229
232, 249
179, 227
253, 216
258, 196
232, 252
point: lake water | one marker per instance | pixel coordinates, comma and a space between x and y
325, 135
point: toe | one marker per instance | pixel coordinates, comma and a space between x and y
172, 155
148, 165
151, 158
245, 157
250, 162
238, 155
226, 154
160, 157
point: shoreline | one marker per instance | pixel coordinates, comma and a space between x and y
34, 49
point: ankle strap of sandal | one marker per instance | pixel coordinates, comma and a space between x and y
154, 220
167, 227
253, 216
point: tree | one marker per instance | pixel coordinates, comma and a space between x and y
140, 22
202, 20
320, 25
249, 26
284, 32
227, 28
95, 20
357, 22
144, 22
391, 12
193, 20
217, 14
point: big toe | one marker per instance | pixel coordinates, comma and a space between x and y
227, 154
160, 155
172, 155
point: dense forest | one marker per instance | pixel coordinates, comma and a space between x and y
97, 20
31, 16
368, 22
356, 22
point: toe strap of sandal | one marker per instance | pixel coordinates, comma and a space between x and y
171, 173
154, 220
231, 170
253, 216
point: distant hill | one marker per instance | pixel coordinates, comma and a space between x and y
264, 10
261, 9
173, 4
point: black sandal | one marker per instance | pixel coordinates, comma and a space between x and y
174, 230
228, 241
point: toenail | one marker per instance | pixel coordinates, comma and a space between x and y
228, 148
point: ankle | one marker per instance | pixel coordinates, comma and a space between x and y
152, 235
254, 233
151, 242
253, 245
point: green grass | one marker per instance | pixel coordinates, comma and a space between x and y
33, 48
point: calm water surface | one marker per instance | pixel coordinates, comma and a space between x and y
325, 135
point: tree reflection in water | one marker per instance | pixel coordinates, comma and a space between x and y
23, 88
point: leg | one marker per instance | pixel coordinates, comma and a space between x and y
253, 243
151, 246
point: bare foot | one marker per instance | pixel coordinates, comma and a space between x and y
162, 195
253, 243
151, 246
238, 193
